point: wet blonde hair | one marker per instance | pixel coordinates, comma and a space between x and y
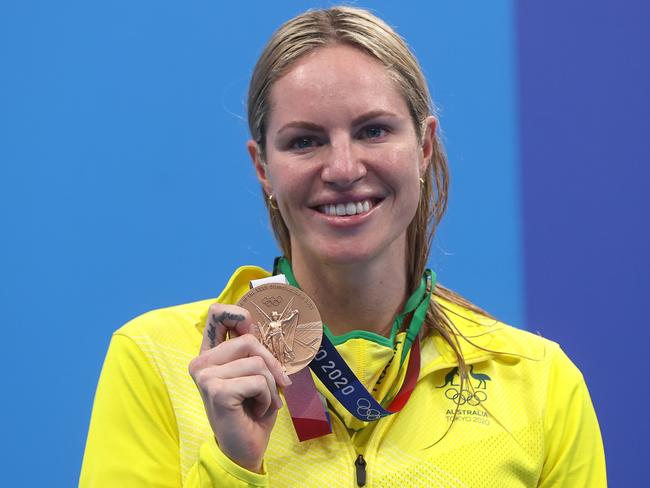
359, 28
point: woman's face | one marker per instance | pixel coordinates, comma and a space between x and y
343, 161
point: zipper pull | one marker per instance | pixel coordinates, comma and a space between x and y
360, 463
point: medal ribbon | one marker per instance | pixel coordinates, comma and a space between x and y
308, 413
340, 380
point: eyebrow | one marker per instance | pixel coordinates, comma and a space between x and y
302, 124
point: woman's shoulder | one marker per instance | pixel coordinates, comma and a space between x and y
164, 335
159, 322
481, 333
183, 324
537, 358
534, 355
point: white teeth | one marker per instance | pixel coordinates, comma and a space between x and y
343, 209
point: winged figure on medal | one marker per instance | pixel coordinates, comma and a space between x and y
281, 333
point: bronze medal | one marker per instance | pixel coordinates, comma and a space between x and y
286, 321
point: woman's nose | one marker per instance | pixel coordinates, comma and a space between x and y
343, 166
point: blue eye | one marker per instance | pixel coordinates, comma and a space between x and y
300, 143
373, 132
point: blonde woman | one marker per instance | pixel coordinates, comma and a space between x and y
345, 145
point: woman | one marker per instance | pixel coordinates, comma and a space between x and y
355, 178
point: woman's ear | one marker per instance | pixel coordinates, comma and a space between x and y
428, 141
261, 169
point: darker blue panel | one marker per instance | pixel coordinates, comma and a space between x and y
585, 111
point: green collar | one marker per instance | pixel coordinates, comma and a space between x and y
418, 303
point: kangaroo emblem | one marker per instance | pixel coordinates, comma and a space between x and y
482, 378
449, 378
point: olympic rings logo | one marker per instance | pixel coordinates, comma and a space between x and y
473, 398
364, 410
272, 301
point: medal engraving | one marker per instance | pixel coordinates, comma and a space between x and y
286, 321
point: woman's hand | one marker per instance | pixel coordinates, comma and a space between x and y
238, 381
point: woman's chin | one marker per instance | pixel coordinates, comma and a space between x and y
349, 253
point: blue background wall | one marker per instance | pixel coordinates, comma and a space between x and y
122, 159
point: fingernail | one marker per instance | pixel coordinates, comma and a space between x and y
287, 380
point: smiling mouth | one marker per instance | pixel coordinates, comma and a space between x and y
347, 208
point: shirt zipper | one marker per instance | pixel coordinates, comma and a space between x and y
360, 464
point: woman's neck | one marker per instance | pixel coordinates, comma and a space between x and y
364, 296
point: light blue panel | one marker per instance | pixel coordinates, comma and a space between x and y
468, 55
125, 186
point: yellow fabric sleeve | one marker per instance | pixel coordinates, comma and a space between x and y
216, 469
574, 448
133, 437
